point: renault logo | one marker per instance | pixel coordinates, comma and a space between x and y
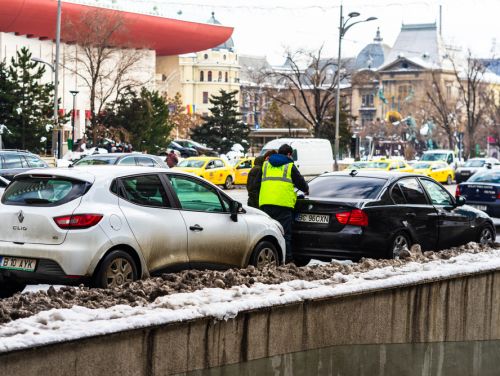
20, 216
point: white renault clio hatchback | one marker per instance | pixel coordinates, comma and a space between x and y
109, 225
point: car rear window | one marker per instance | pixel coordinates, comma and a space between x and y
41, 191
96, 161
485, 177
346, 187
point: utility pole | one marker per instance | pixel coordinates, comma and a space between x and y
56, 82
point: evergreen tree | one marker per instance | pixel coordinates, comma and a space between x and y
274, 117
223, 127
143, 117
7, 100
31, 116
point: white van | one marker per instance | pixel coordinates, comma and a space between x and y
312, 156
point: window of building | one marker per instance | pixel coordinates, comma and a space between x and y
404, 91
448, 90
205, 56
202, 76
224, 57
226, 77
366, 118
205, 97
220, 76
209, 76
367, 100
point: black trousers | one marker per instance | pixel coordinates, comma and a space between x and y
284, 216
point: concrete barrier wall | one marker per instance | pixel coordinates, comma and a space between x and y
460, 309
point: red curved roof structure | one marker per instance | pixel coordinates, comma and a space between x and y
37, 18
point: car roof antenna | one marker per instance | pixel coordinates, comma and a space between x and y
353, 172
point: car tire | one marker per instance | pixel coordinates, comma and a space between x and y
486, 235
228, 184
184, 155
398, 242
117, 268
9, 288
264, 254
301, 261
449, 180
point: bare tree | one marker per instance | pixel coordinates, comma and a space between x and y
443, 107
471, 84
106, 69
309, 90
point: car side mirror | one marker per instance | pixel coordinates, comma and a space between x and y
234, 208
460, 201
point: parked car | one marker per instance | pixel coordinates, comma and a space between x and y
13, 162
241, 169
439, 171
106, 226
384, 164
378, 214
215, 170
472, 166
185, 152
3, 184
482, 191
121, 159
201, 149
312, 156
440, 155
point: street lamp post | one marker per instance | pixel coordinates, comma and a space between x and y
74, 93
343, 27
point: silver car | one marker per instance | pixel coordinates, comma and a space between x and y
109, 225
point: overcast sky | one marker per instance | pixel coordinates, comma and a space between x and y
267, 27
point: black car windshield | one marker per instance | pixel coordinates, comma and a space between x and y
475, 163
346, 187
96, 160
486, 177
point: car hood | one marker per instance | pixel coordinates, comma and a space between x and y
188, 169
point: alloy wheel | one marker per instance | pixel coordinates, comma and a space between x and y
266, 257
486, 236
119, 272
400, 242
448, 180
229, 183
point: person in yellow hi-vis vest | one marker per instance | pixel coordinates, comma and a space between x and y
277, 194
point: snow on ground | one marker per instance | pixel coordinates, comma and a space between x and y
233, 292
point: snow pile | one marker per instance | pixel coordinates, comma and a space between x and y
70, 313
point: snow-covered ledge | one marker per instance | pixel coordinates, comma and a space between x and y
457, 299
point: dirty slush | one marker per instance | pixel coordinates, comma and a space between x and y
146, 291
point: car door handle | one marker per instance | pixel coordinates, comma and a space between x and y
410, 215
196, 228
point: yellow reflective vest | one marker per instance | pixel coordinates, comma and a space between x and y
276, 186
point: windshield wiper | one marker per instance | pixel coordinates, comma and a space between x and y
37, 201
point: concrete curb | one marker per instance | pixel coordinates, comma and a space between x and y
464, 308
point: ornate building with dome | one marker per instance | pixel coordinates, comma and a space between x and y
197, 76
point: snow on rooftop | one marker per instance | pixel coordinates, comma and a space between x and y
58, 325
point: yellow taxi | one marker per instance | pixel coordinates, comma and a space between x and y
388, 165
439, 171
215, 170
241, 170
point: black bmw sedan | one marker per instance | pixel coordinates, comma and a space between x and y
349, 215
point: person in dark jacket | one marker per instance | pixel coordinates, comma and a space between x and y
172, 159
277, 195
254, 178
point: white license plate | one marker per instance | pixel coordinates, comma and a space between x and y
313, 218
17, 263
480, 207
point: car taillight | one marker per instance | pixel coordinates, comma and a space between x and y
77, 221
355, 217
457, 191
